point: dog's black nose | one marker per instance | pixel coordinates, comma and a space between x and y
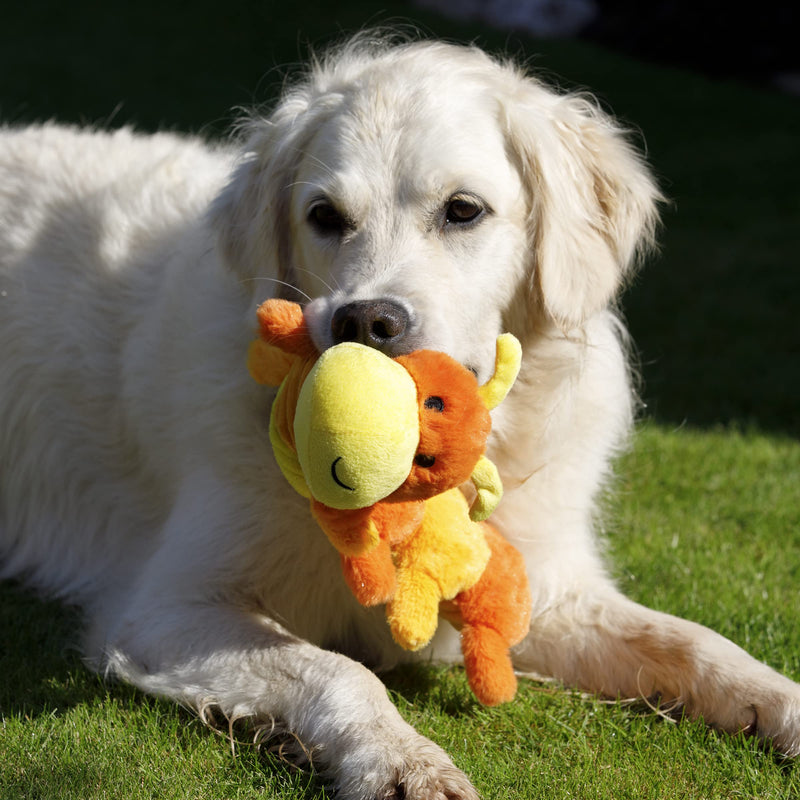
382, 324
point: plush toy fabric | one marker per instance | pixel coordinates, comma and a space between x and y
380, 447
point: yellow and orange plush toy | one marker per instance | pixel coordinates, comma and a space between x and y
380, 446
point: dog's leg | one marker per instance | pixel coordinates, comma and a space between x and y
597, 640
339, 711
183, 635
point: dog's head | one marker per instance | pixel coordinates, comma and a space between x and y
425, 195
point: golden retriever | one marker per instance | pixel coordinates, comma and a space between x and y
413, 195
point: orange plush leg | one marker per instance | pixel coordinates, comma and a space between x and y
371, 577
488, 664
496, 615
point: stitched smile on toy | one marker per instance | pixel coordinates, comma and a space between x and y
336, 477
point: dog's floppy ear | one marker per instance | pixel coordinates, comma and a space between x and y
251, 215
593, 202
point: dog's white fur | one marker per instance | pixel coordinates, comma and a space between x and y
137, 477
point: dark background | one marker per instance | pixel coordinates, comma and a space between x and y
714, 316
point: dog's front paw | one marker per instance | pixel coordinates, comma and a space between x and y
775, 716
757, 701
409, 768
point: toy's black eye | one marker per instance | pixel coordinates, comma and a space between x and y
422, 460
434, 403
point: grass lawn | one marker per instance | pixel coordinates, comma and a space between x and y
706, 519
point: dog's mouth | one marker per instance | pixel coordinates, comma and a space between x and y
336, 478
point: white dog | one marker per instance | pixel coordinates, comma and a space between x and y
418, 194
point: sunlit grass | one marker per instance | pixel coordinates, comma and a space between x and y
707, 526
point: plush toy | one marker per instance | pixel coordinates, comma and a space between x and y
380, 447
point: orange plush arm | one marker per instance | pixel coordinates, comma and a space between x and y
356, 532
352, 533
364, 538
371, 575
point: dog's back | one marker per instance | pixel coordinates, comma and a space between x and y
88, 222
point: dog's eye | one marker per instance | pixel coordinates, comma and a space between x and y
434, 403
326, 219
421, 460
461, 210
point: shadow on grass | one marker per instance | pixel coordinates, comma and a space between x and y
40, 660
444, 690
44, 675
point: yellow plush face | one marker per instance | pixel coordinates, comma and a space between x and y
356, 426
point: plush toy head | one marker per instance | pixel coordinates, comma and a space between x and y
367, 427
356, 426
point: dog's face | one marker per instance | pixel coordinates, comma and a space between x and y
428, 196
413, 241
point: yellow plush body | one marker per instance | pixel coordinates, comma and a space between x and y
444, 556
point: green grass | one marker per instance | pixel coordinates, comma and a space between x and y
706, 519
706, 525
